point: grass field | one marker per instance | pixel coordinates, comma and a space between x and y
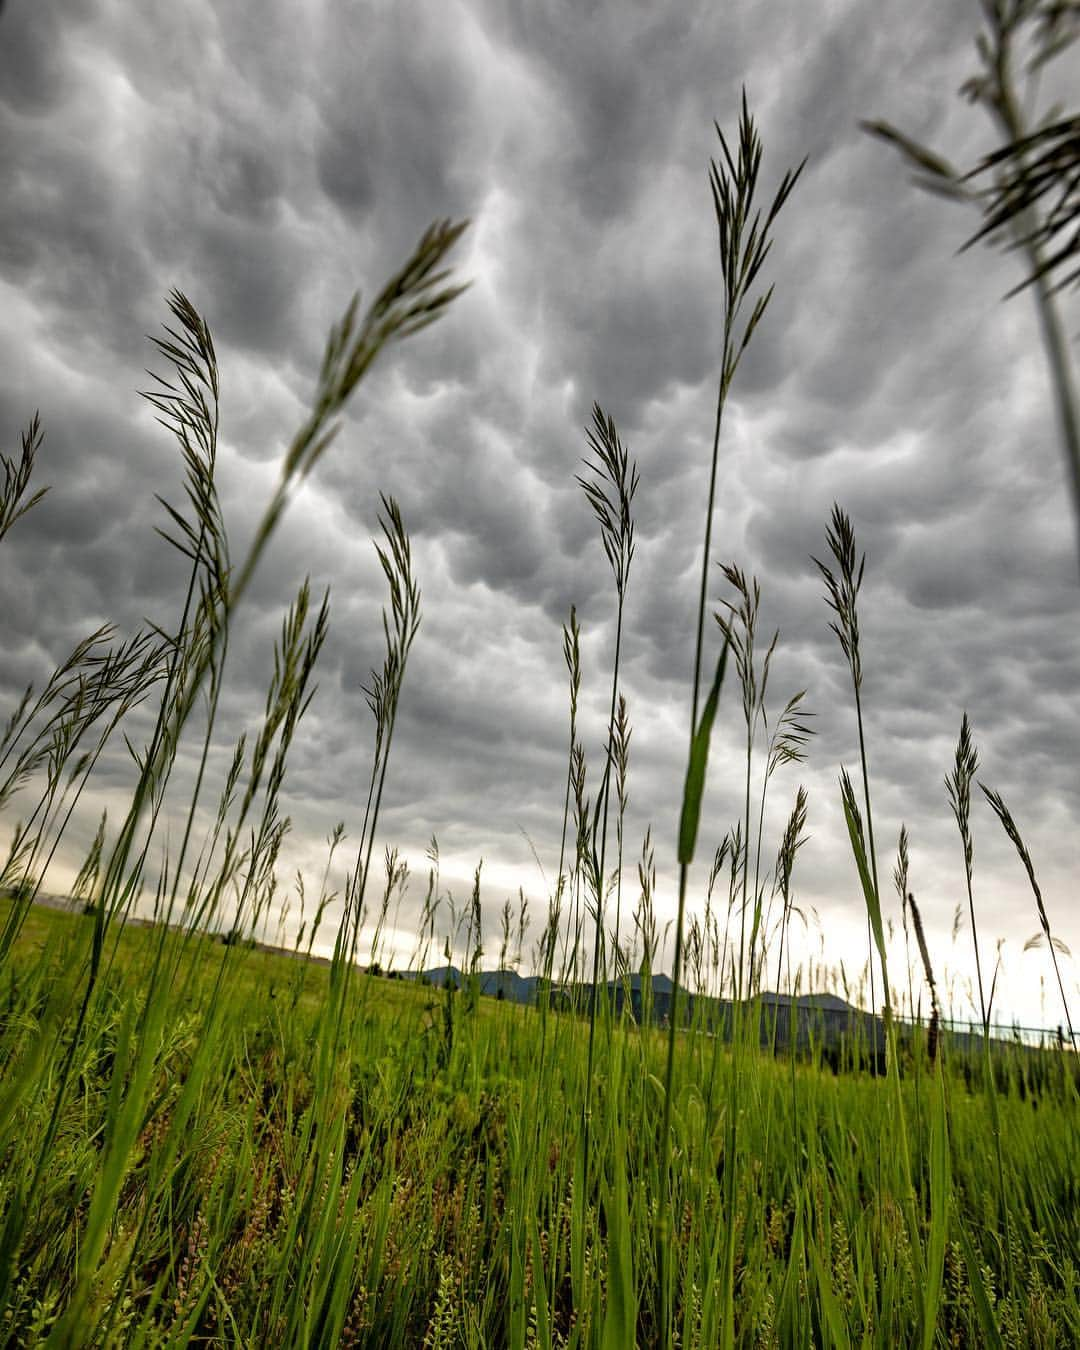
204, 1143
425, 1189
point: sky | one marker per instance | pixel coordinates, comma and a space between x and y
271, 159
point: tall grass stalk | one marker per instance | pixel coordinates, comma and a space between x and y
739, 629
745, 241
842, 596
900, 881
550, 936
924, 955
383, 692
794, 838
958, 789
14, 498
1035, 161
621, 758
785, 746
842, 593
1008, 824
610, 490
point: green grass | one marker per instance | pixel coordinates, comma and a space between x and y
203, 1142
446, 1205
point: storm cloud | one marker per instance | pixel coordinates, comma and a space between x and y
270, 160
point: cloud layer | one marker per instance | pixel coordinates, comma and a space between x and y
270, 160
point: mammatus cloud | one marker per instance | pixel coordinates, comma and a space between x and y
270, 168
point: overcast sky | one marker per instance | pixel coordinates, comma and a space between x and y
269, 159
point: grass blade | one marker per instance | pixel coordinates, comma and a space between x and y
694, 790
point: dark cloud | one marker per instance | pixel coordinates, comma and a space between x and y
32, 60
272, 161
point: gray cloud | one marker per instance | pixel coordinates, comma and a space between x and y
270, 162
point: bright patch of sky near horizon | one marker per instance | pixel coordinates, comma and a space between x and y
268, 160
